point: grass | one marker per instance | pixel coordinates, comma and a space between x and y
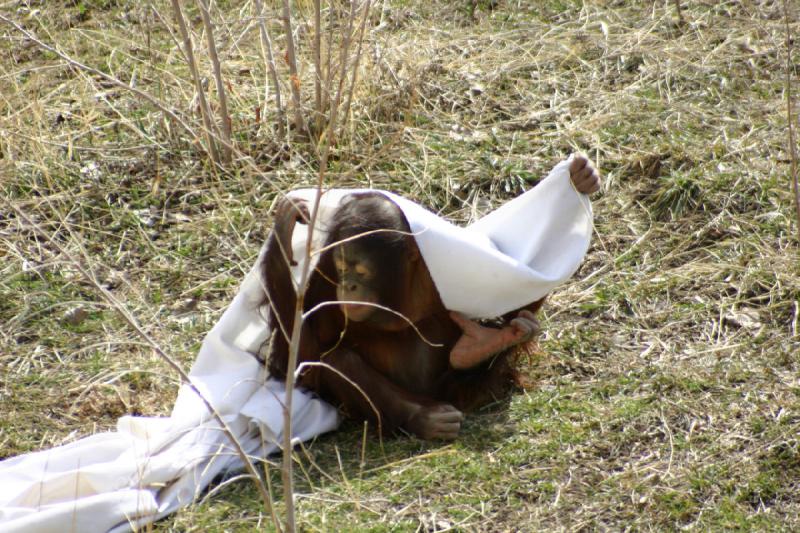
667, 394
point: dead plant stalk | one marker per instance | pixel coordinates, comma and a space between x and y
291, 58
790, 116
102, 75
133, 323
266, 45
317, 64
294, 344
224, 116
356, 63
205, 111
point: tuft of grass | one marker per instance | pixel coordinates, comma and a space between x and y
679, 195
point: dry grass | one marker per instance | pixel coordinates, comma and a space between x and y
669, 394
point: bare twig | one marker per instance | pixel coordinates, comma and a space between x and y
294, 345
131, 320
317, 65
111, 79
326, 137
356, 63
422, 337
266, 45
790, 115
308, 364
224, 116
326, 100
294, 348
198, 83
678, 11
294, 79
330, 246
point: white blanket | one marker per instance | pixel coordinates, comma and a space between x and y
152, 466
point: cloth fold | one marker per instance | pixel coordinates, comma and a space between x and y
151, 466
511, 257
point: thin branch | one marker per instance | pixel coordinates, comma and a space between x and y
345, 47
326, 101
320, 251
294, 348
357, 62
198, 83
224, 116
132, 322
790, 115
317, 65
294, 345
266, 45
678, 11
322, 305
99, 73
294, 79
302, 366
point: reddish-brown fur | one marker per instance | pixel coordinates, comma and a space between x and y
411, 384
408, 381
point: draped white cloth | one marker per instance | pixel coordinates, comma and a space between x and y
151, 466
511, 257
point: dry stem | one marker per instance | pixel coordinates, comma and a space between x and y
198, 83
73, 62
294, 81
317, 65
266, 45
790, 116
294, 345
122, 310
224, 116
356, 63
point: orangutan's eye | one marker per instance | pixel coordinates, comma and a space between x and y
362, 270
339, 264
